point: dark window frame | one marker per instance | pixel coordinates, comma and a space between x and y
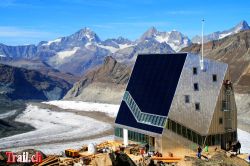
196, 86
174, 126
195, 72
187, 98
214, 77
189, 134
197, 106
220, 120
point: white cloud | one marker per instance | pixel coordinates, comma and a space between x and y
9, 31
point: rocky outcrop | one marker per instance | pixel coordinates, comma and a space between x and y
20, 83
25, 51
104, 84
43, 68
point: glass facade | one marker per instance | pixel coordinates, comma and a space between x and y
146, 118
195, 137
118, 132
132, 136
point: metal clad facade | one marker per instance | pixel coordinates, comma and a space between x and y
206, 95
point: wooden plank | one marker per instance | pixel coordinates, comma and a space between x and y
170, 161
166, 158
49, 161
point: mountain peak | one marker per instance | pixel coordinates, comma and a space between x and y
151, 30
85, 30
150, 33
86, 33
243, 25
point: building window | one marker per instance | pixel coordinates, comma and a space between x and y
220, 121
173, 126
214, 77
194, 70
187, 99
184, 132
194, 137
178, 128
200, 141
197, 106
189, 135
119, 132
196, 86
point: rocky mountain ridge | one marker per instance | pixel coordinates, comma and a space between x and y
19, 83
103, 84
241, 26
86, 50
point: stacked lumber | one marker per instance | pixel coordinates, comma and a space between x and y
110, 144
168, 160
49, 161
66, 161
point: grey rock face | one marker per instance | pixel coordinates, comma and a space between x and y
104, 84
175, 39
128, 55
20, 83
26, 51
116, 42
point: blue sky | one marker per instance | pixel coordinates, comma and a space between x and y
31, 21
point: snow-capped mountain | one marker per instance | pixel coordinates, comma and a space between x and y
128, 55
84, 50
81, 38
114, 45
241, 26
174, 38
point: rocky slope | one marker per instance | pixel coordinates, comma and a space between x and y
104, 84
26, 51
20, 83
233, 50
43, 68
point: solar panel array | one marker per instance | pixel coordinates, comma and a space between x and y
152, 87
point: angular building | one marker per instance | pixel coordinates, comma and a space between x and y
170, 95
